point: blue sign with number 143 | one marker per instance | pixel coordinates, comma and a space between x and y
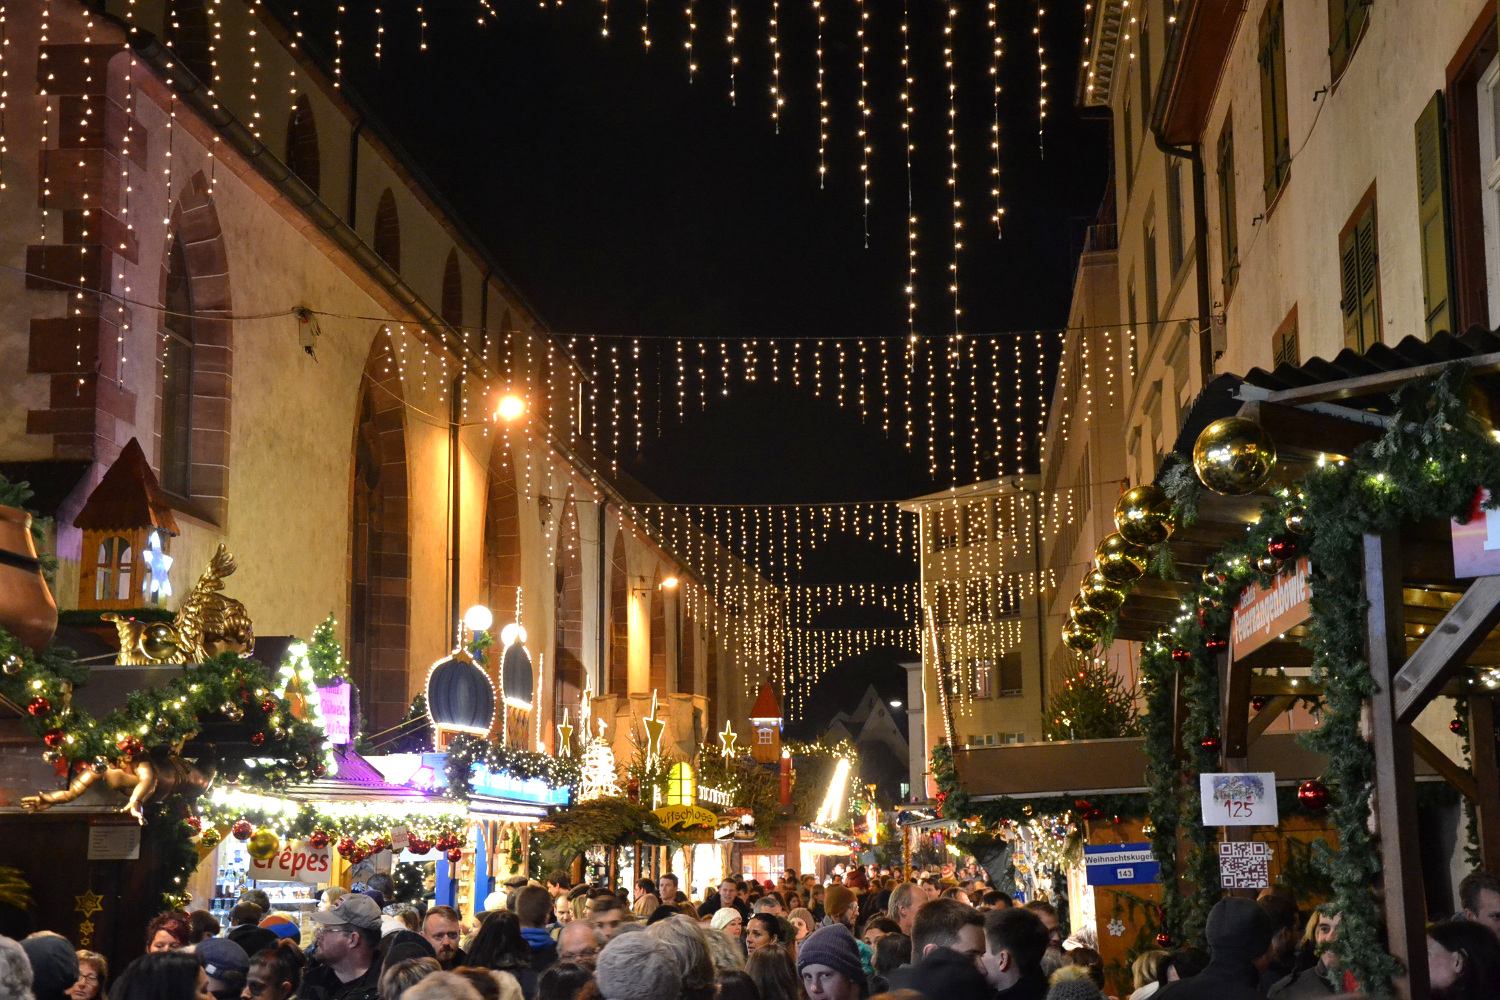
1120, 864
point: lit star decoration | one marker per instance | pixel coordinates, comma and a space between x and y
726, 740
654, 728
157, 585
88, 904
564, 734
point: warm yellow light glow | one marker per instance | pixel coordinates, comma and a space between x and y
511, 407
833, 802
670, 583
479, 618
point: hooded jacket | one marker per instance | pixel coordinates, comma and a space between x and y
1239, 935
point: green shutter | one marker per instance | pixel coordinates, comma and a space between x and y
1349, 297
1359, 273
1346, 19
1432, 215
1229, 237
1275, 137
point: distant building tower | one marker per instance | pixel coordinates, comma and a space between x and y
765, 719
120, 566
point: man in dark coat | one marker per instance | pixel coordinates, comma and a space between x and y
1239, 943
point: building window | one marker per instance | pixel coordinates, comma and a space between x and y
1275, 137
944, 533
1148, 253
980, 675
1346, 25
1285, 349
1130, 315
1488, 121
1011, 683
681, 787
974, 522
302, 144
177, 375
1176, 239
112, 576
388, 230
763, 737
1229, 233
1359, 273
1010, 739
1433, 219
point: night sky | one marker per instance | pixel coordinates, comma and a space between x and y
625, 202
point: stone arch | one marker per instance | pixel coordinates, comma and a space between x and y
387, 243
195, 275
380, 565
501, 574
658, 636
302, 144
619, 618
453, 292
567, 633
187, 33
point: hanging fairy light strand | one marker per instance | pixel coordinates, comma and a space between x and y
1041, 67
817, 8
775, 39
996, 51
863, 130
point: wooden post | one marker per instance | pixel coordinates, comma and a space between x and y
1486, 777
1395, 782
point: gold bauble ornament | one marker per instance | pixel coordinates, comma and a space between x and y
262, 845
1144, 515
1078, 638
159, 641
210, 837
1297, 521
1268, 563
1234, 456
1119, 561
1084, 615
1099, 594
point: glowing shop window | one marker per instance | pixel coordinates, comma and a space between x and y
681, 788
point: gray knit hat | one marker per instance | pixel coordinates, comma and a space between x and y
637, 967
1074, 989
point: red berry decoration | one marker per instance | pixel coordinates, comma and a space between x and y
257, 739
318, 839
242, 829
1282, 547
195, 824
268, 706
1313, 795
38, 707
454, 856
1163, 940
1181, 656
347, 847
54, 739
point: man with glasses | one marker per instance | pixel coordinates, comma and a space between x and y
348, 933
579, 941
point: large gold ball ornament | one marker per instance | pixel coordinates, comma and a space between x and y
1144, 515
1099, 594
210, 837
1078, 638
1297, 521
1120, 561
262, 845
1085, 615
159, 641
1234, 456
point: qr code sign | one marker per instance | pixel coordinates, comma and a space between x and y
1244, 864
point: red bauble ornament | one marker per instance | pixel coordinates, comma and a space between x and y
54, 739
318, 839
268, 706
417, 845
1257, 703
358, 855
1181, 656
454, 856
1455, 726
1282, 547
346, 847
1163, 940
194, 823
242, 829
446, 842
381, 843
1214, 645
38, 707
1211, 744
257, 739
1313, 795
130, 746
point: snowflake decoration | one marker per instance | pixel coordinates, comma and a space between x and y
1117, 928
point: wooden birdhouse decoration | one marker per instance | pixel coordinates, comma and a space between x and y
127, 527
765, 720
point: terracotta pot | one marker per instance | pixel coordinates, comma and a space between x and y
27, 610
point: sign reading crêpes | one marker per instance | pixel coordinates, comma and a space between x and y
1265, 612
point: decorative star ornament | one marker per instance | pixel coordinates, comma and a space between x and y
586, 710
157, 585
654, 728
88, 904
726, 739
564, 734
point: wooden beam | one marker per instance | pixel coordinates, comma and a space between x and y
1447, 648
1452, 773
1309, 430
1263, 719
1381, 383
1486, 777
1395, 781
1234, 720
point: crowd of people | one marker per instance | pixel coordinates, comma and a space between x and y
864, 936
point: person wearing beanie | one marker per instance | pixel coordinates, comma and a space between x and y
727, 921
841, 906
1072, 982
54, 964
637, 967
829, 964
1239, 936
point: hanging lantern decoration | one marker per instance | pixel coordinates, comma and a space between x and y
1313, 795
242, 829
1119, 560
1282, 547
1234, 456
1143, 515
1078, 638
1084, 615
1297, 521
263, 844
1100, 594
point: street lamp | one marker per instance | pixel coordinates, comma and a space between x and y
670, 583
511, 407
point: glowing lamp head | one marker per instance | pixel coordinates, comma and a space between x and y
670, 583
510, 407
512, 634
479, 618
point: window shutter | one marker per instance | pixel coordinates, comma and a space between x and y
1228, 217
1349, 282
1275, 138
1432, 215
1268, 116
1369, 280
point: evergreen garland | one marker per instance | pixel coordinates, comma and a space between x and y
465, 751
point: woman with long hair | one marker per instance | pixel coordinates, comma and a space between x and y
775, 973
499, 944
1463, 961
762, 931
163, 975
93, 976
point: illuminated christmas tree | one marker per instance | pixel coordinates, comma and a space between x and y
1093, 704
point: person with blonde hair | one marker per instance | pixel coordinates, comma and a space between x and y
93, 976
402, 976
442, 986
1143, 973
645, 905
